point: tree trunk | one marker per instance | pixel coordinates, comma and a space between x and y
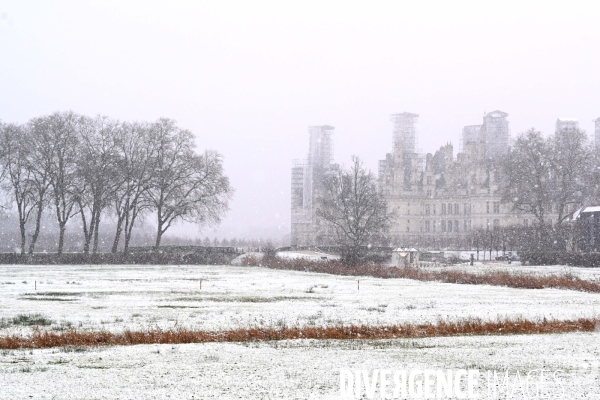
95, 249
117, 238
93, 233
23, 237
159, 221
158, 238
86, 235
61, 238
128, 231
38, 222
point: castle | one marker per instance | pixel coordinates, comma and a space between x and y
438, 200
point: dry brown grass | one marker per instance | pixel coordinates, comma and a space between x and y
474, 326
495, 278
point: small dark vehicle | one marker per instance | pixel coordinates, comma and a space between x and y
508, 257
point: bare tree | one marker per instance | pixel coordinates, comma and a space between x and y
14, 151
2, 156
186, 186
62, 133
39, 165
477, 238
571, 161
97, 173
544, 173
136, 154
354, 211
528, 177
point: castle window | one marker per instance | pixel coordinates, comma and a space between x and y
455, 226
496, 224
434, 226
429, 180
456, 209
443, 208
443, 226
450, 208
434, 207
427, 226
496, 207
427, 209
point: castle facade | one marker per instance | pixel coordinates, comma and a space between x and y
438, 200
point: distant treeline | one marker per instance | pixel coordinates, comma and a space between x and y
210, 256
142, 235
74, 166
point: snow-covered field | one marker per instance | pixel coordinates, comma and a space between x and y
290, 369
487, 266
118, 297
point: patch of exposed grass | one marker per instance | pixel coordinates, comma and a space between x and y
70, 348
26, 320
472, 326
55, 294
174, 306
45, 298
378, 309
92, 366
63, 326
243, 299
60, 361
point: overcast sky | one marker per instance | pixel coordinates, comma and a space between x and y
248, 78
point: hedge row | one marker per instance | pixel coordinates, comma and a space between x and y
591, 260
208, 258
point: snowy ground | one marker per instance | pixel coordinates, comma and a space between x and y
118, 297
290, 369
516, 266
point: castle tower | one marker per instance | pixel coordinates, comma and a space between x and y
405, 130
495, 133
597, 133
306, 177
566, 124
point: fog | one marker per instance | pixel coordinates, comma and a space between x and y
249, 78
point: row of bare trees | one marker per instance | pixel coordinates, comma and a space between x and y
91, 167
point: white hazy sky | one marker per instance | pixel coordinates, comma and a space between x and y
249, 77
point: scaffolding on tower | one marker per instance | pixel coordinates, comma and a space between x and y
405, 130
